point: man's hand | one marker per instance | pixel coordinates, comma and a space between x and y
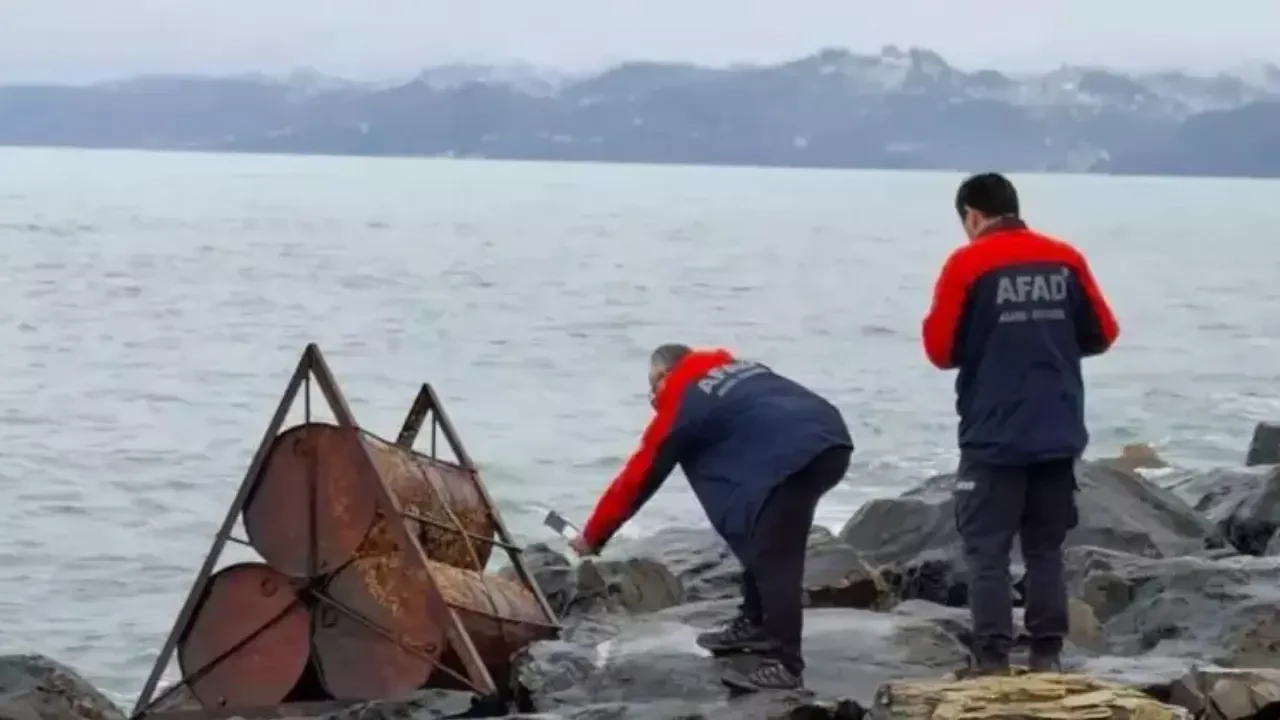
582, 547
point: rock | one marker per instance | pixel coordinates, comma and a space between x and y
635, 585
912, 538
34, 687
1221, 610
1152, 674
552, 572
1244, 504
1085, 634
1222, 694
699, 557
1037, 695
1264, 449
835, 574
655, 659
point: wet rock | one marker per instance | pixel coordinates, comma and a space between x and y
634, 585
34, 687
835, 574
1039, 695
1264, 449
1222, 694
1223, 610
698, 556
1085, 634
1152, 674
655, 659
1244, 504
912, 538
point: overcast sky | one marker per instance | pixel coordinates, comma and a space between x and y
83, 39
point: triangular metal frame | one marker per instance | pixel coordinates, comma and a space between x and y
426, 407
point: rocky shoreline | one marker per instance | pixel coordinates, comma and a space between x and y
1175, 613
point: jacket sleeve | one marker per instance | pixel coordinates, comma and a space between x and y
641, 476
949, 291
1096, 327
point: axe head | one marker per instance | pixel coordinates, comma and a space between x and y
556, 522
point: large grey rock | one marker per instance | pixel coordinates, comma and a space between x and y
594, 586
836, 575
913, 540
1216, 610
654, 659
1264, 448
34, 687
1229, 694
1243, 503
1085, 636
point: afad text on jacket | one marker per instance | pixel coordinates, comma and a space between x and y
735, 428
1016, 311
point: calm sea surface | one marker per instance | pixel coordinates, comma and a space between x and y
152, 307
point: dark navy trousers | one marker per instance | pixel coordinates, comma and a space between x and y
1037, 503
773, 581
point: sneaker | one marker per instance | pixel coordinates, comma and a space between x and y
740, 636
768, 674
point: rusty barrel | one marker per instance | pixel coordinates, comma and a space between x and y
249, 639
383, 631
314, 490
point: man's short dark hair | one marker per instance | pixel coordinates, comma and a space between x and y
990, 194
666, 356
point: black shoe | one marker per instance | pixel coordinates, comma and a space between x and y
986, 666
740, 636
1043, 662
768, 674
1046, 655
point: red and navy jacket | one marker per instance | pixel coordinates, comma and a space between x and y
1016, 311
735, 428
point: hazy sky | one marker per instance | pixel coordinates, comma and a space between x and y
81, 39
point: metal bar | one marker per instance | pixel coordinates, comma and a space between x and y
480, 679
238, 541
446, 426
413, 421
451, 435
445, 526
198, 588
313, 498
217, 660
379, 630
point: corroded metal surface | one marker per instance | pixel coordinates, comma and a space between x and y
389, 590
499, 614
252, 603
310, 460
358, 662
420, 484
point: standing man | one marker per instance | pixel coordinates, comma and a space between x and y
759, 451
1015, 312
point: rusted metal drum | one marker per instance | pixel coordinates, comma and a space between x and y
310, 461
440, 492
251, 606
279, 518
358, 662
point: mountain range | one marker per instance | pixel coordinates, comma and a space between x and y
894, 109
